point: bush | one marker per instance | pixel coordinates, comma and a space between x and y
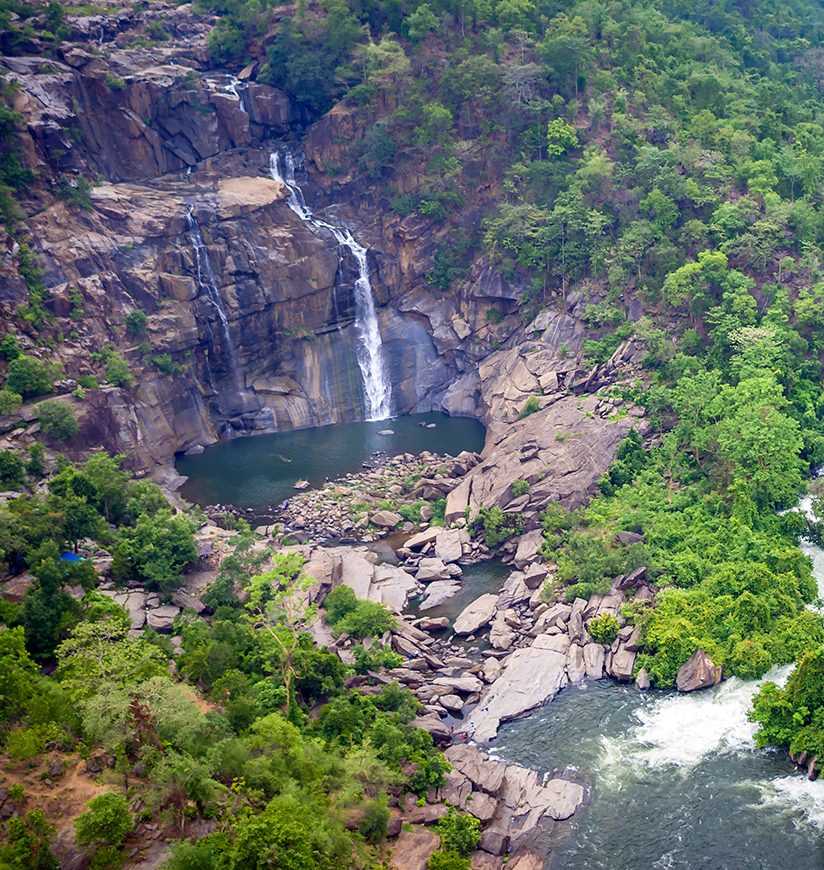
368, 619
12, 469
88, 382
9, 401
136, 321
520, 487
10, 346
459, 832
448, 861
498, 526
29, 377
374, 821
105, 823
57, 419
36, 466
339, 602
604, 628
119, 373
531, 405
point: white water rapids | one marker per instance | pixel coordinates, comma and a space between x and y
377, 390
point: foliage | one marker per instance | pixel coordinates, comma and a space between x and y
604, 628
348, 615
106, 822
29, 377
793, 717
156, 550
136, 321
57, 420
497, 526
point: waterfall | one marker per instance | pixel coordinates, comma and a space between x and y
207, 287
377, 391
237, 88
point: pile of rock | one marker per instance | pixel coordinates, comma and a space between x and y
353, 507
146, 610
513, 804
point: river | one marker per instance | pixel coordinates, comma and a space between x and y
676, 781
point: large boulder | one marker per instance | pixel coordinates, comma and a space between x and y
476, 615
386, 519
533, 675
413, 849
700, 672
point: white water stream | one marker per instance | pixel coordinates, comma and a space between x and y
377, 390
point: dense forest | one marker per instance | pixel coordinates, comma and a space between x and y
661, 162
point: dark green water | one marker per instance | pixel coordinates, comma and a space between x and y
676, 782
475, 581
259, 471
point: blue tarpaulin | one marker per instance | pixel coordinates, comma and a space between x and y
71, 557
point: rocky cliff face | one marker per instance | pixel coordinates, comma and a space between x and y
250, 310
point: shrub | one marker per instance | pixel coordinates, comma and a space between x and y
448, 861
339, 602
76, 192
57, 419
531, 405
27, 842
494, 316
604, 628
10, 346
368, 619
136, 321
498, 526
459, 832
9, 401
118, 372
29, 377
520, 487
105, 823
88, 382
12, 468
374, 821
36, 466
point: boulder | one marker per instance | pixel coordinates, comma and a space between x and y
476, 615
642, 679
423, 539
700, 672
485, 773
576, 666
431, 569
161, 618
501, 635
386, 519
528, 548
594, 660
438, 592
185, 601
413, 849
621, 664
483, 806
533, 675
466, 684
449, 544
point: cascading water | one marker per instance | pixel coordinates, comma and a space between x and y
377, 390
237, 88
207, 287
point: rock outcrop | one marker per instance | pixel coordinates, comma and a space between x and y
698, 673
